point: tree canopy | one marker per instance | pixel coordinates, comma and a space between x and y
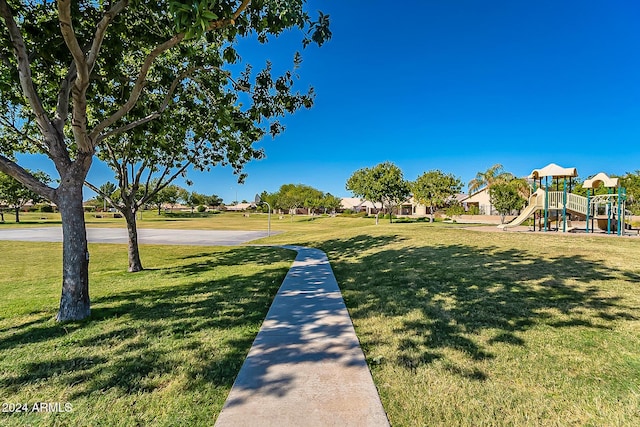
290, 197
433, 188
506, 198
16, 195
494, 174
80, 78
383, 183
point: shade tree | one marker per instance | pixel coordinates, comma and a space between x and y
76, 74
434, 188
505, 197
330, 203
383, 184
16, 195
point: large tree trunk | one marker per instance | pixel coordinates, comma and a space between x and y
74, 302
17, 214
132, 230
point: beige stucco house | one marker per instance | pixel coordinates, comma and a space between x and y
481, 199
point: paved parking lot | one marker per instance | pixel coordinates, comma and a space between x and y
145, 236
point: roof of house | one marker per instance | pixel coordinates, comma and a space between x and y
355, 203
475, 195
241, 207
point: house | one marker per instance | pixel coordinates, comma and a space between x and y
480, 199
356, 204
241, 207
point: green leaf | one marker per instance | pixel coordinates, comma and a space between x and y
209, 15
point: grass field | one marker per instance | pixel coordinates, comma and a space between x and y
162, 347
463, 327
460, 327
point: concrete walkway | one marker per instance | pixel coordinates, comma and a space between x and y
145, 236
306, 367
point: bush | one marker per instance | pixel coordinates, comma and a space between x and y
454, 210
42, 207
201, 209
351, 214
189, 214
473, 210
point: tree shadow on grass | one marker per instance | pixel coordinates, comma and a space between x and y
205, 261
462, 291
136, 341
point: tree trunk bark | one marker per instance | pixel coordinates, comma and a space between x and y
135, 264
74, 302
17, 214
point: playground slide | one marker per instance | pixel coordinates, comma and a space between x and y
536, 201
526, 213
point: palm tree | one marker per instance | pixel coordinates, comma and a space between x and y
494, 174
522, 186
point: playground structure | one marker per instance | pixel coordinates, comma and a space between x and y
606, 210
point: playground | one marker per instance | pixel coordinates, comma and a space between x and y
554, 206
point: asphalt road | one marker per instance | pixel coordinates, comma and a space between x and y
145, 236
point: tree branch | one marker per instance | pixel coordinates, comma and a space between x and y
24, 135
62, 107
137, 87
97, 191
159, 186
24, 71
146, 66
81, 82
165, 103
113, 159
101, 30
66, 28
28, 180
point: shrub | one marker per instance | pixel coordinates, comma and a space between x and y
201, 209
454, 210
43, 207
473, 210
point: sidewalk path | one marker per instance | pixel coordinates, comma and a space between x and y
306, 367
145, 236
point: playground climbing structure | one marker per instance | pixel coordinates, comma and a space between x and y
608, 210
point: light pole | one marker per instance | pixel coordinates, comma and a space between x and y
259, 201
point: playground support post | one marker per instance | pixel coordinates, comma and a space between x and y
564, 205
588, 207
546, 203
609, 211
619, 224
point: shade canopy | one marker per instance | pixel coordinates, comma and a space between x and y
601, 179
554, 171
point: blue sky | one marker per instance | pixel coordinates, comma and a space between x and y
456, 86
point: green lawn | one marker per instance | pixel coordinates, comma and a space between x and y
463, 327
162, 347
460, 327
